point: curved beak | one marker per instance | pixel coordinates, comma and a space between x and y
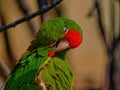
60, 46
72, 39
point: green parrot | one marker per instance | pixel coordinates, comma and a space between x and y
44, 66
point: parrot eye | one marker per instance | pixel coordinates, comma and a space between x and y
65, 29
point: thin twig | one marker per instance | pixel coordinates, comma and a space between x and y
118, 39
102, 29
112, 18
30, 16
42, 3
116, 43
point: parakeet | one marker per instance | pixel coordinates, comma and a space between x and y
44, 66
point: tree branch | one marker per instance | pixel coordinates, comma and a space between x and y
97, 5
42, 3
102, 29
116, 43
43, 9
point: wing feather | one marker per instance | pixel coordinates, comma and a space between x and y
25, 71
56, 72
58, 75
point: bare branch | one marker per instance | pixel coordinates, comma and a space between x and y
111, 47
4, 68
102, 29
116, 43
42, 3
112, 18
97, 5
44, 9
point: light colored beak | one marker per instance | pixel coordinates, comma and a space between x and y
63, 44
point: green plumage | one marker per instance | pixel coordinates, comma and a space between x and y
56, 75
52, 31
55, 72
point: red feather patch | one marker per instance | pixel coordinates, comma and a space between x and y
51, 54
74, 38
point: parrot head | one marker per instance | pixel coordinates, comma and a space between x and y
58, 33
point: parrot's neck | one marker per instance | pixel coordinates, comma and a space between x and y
61, 54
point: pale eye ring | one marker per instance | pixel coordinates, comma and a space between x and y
65, 29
